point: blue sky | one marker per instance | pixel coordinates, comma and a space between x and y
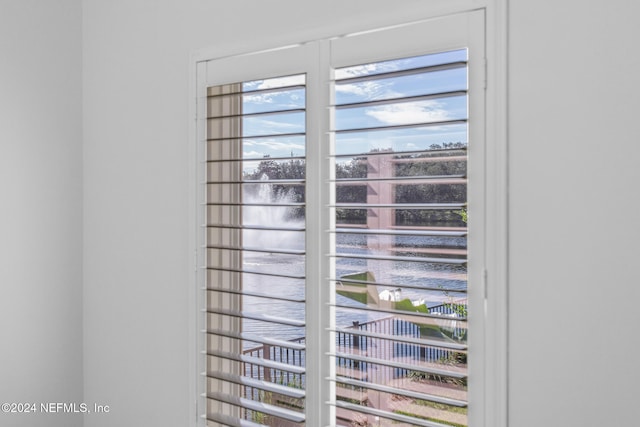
391, 114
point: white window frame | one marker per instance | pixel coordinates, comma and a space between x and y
489, 333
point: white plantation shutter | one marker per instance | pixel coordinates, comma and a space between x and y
401, 249
253, 226
255, 310
407, 141
342, 282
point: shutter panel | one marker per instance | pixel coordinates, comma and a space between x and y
400, 153
255, 252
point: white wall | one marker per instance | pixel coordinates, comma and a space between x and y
41, 208
573, 145
574, 104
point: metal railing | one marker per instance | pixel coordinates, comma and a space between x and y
359, 344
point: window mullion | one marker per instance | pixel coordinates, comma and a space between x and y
319, 241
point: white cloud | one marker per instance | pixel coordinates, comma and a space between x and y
270, 125
285, 99
252, 154
275, 82
272, 146
367, 90
409, 112
364, 70
266, 98
270, 98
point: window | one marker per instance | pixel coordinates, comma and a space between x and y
342, 240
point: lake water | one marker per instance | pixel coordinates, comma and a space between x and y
401, 274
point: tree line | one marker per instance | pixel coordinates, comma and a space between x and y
432, 163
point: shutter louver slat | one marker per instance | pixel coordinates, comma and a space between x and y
409, 286
403, 258
430, 152
255, 338
257, 316
265, 408
265, 136
231, 421
232, 270
437, 179
404, 339
396, 232
414, 315
402, 392
256, 361
424, 206
256, 159
254, 227
259, 204
262, 385
261, 113
257, 249
402, 126
342, 79
389, 415
255, 294
387, 101
394, 364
